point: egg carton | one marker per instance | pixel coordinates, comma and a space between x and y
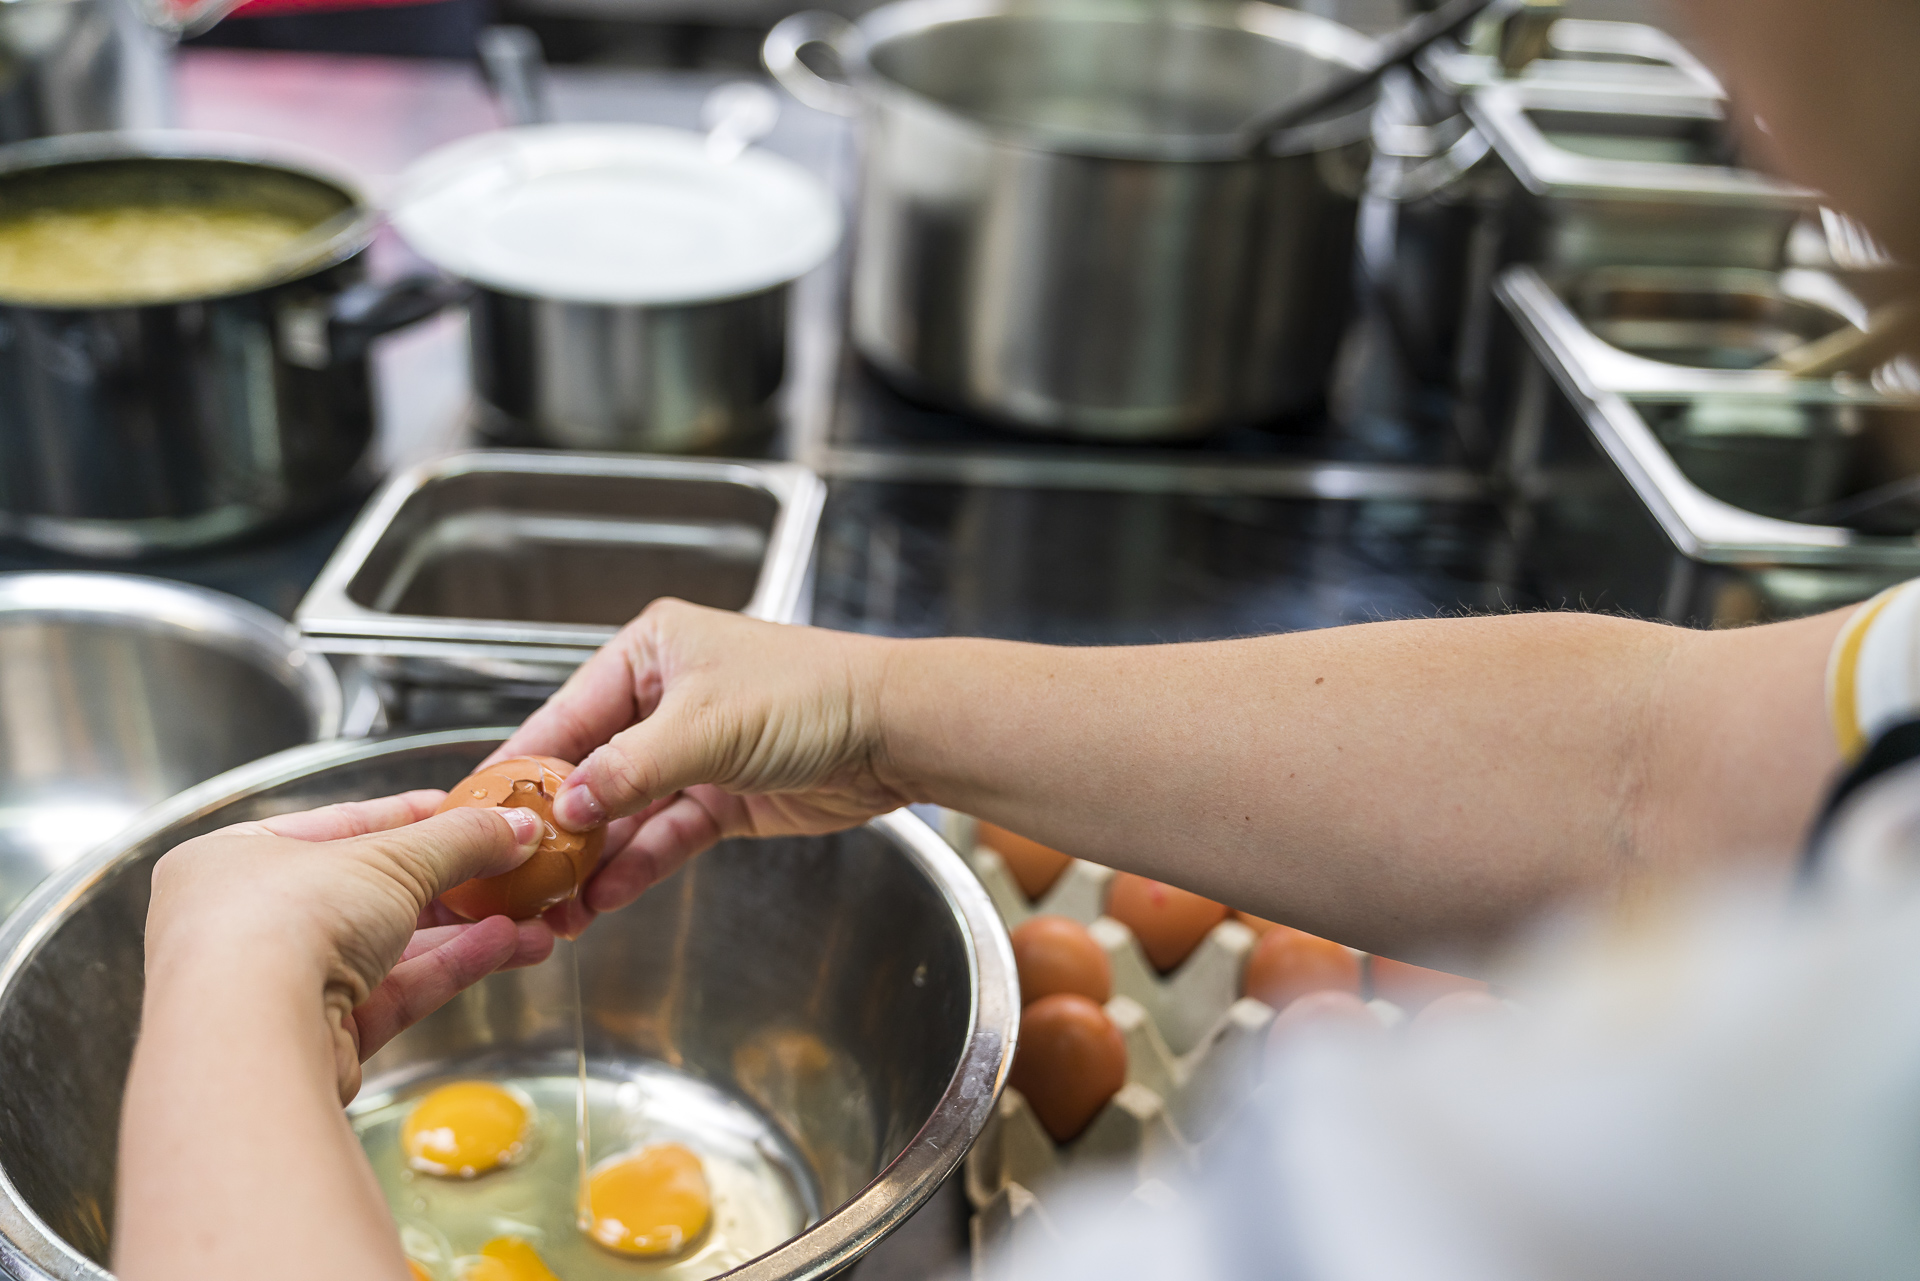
1194, 1050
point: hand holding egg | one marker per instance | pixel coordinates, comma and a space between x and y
343, 890
560, 864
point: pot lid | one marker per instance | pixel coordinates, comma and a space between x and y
633, 215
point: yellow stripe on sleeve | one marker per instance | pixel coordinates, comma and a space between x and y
1842, 672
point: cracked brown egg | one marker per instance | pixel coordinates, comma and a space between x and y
555, 871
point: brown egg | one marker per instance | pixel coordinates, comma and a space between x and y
556, 870
1070, 1061
1338, 1013
1033, 865
1168, 922
1411, 987
1055, 954
1287, 964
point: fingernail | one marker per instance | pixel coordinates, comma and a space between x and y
577, 808
526, 826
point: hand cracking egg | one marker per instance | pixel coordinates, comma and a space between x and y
556, 869
649, 1203
464, 1129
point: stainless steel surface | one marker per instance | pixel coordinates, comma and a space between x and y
856, 989
493, 575
1070, 244
700, 379
1626, 463
136, 429
116, 692
79, 66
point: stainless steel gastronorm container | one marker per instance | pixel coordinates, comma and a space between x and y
856, 990
1057, 225
470, 587
1661, 472
1581, 53
1434, 222
117, 691
164, 426
1637, 179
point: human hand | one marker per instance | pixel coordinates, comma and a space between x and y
693, 725
349, 892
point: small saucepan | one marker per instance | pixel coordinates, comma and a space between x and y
631, 282
182, 395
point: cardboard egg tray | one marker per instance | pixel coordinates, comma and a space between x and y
1194, 1050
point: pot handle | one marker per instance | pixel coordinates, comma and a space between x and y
781, 53
361, 314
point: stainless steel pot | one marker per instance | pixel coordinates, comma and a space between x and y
631, 282
116, 692
1057, 225
856, 990
135, 429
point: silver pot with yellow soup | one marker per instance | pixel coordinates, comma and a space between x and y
184, 325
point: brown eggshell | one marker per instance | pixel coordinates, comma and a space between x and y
1055, 954
1287, 964
1034, 866
555, 871
1070, 1061
1412, 987
1323, 1013
1168, 922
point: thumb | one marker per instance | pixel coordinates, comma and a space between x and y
669, 750
434, 855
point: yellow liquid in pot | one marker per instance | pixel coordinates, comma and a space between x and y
138, 253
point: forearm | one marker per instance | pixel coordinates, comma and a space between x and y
1404, 787
235, 1154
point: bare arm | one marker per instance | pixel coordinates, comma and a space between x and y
1412, 788
278, 955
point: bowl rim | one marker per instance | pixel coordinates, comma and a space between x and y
30, 1250
197, 615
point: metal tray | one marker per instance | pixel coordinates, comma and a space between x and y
1581, 53
471, 586
1625, 464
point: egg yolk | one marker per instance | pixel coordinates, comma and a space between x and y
508, 1259
653, 1202
465, 1129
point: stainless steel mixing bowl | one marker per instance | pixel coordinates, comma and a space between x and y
858, 990
117, 691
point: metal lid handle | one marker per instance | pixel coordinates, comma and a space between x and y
781, 53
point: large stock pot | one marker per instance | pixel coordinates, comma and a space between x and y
1059, 226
